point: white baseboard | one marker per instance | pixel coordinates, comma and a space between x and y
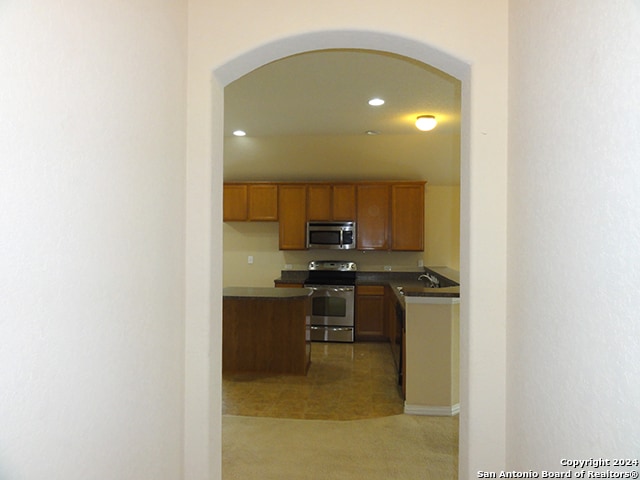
430, 410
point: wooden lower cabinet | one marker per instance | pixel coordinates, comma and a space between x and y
396, 335
370, 322
390, 312
267, 335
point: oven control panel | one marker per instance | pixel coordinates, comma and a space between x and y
332, 265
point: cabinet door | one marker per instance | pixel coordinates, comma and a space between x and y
234, 203
373, 217
319, 202
263, 202
331, 202
407, 217
370, 313
292, 208
344, 202
390, 313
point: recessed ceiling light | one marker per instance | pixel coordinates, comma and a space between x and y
239, 133
373, 132
376, 102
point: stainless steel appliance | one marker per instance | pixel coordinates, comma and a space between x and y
333, 299
334, 235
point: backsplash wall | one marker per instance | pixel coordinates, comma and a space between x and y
260, 240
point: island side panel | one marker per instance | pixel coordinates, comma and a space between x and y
266, 335
432, 357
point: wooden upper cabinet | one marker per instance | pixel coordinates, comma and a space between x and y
235, 206
319, 199
344, 202
373, 216
263, 202
250, 202
326, 202
407, 217
388, 215
292, 210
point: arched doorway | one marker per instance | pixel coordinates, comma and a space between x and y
239, 66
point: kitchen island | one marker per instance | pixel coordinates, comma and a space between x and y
422, 324
431, 343
266, 330
432, 355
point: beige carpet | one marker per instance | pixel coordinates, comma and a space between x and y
396, 447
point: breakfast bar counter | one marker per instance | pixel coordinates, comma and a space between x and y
266, 330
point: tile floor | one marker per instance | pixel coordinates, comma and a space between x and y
346, 381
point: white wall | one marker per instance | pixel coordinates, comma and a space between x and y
92, 146
574, 232
465, 38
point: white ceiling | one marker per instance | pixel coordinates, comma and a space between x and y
306, 118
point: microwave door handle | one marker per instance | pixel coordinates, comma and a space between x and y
341, 239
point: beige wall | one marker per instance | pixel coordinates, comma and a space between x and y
442, 226
260, 240
432, 355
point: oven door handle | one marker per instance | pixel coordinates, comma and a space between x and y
332, 289
333, 329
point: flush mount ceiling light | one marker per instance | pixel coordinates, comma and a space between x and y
239, 133
426, 122
376, 102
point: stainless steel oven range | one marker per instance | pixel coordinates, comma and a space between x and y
333, 299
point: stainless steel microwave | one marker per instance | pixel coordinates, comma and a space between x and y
334, 235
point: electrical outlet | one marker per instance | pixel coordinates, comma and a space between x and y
421, 263
387, 268
250, 259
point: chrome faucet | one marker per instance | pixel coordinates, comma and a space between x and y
435, 283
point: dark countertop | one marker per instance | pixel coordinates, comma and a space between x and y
417, 289
265, 292
408, 281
